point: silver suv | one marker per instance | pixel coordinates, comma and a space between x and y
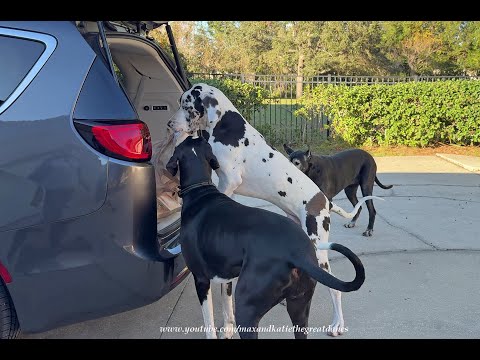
81, 104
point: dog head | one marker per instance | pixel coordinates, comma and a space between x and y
299, 158
198, 161
199, 108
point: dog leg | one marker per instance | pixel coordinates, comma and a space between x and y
227, 184
246, 314
294, 218
227, 305
247, 322
256, 294
204, 293
299, 309
337, 326
351, 192
367, 189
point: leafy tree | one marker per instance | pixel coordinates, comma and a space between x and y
309, 48
351, 48
469, 48
184, 36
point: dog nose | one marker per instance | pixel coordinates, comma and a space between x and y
169, 124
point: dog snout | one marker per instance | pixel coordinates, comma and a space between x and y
170, 124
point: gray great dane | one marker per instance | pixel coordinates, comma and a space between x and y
346, 170
251, 167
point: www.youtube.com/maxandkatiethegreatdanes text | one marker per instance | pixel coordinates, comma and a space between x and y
261, 329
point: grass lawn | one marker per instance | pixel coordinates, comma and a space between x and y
329, 147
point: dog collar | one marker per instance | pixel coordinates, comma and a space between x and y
182, 192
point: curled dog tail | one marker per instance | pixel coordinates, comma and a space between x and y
328, 279
381, 185
348, 215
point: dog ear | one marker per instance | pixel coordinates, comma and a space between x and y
172, 165
211, 158
287, 149
212, 109
308, 153
213, 114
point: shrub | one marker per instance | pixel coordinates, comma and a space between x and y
413, 114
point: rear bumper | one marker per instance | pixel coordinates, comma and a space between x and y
94, 265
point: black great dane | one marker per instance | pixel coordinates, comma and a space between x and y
272, 257
346, 170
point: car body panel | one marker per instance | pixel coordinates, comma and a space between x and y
86, 267
40, 147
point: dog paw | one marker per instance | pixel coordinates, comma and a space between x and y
368, 232
336, 329
349, 225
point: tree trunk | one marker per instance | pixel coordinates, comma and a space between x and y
301, 58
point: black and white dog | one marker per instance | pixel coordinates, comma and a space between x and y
269, 253
251, 167
346, 170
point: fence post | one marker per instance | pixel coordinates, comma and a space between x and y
328, 126
242, 78
299, 91
329, 78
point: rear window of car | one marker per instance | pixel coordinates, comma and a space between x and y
17, 57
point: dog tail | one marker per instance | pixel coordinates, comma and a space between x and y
328, 279
348, 215
381, 185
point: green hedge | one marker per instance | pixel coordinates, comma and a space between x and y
245, 97
413, 114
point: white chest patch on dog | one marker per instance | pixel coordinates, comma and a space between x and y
193, 149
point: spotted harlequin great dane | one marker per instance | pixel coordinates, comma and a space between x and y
251, 167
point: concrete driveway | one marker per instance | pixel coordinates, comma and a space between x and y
422, 267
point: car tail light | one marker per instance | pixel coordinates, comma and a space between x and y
125, 140
5, 275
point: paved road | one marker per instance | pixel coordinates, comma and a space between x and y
421, 266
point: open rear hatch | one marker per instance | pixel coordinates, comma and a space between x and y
142, 29
153, 82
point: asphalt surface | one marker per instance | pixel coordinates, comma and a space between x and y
422, 268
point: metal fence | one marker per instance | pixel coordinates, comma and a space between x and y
277, 121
